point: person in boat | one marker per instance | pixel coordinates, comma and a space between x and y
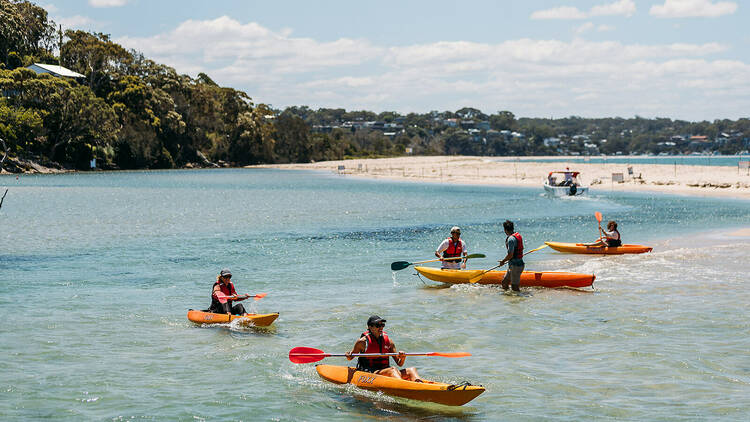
514, 258
224, 287
375, 340
610, 237
569, 177
452, 247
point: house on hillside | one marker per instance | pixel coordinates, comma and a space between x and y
55, 70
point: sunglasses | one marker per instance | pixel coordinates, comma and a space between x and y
381, 325
227, 276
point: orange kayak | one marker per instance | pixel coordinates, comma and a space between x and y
602, 250
550, 279
436, 392
258, 320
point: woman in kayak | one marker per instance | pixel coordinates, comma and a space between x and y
610, 237
452, 247
375, 340
221, 292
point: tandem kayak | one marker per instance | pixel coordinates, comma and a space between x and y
602, 250
550, 279
436, 392
258, 320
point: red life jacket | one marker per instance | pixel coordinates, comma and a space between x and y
374, 346
518, 253
227, 289
454, 249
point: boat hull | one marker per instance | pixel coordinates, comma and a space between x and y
581, 248
436, 392
257, 320
551, 279
566, 190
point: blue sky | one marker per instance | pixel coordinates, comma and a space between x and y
682, 59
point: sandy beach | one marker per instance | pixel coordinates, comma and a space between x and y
713, 181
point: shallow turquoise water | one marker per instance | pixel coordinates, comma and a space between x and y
98, 271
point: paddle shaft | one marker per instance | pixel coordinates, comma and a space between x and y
368, 354
400, 265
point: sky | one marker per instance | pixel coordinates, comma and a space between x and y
678, 59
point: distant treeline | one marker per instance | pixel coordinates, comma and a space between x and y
130, 112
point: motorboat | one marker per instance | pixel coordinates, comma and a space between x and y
564, 183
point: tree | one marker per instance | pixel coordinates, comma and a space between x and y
96, 57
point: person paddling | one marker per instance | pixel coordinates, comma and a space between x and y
453, 247
610, 237
222, 290
375, 340
514, 258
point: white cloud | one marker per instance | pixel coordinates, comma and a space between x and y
603, 28
693, 8
583, 28
107, 3
564, 12
619, 7
50, 8
75, 22
527, 76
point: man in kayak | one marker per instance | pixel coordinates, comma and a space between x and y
451, 247
221, 293
514, 244
610, 237
375, 340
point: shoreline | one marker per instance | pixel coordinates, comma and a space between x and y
691, 180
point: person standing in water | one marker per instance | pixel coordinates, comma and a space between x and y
453, 247
514, 258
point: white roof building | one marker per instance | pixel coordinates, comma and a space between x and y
54, 70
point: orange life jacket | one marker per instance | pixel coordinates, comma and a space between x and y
375, 346
454, 249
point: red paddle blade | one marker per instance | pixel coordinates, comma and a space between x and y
451, 354
260, 296
306, 355
598, 216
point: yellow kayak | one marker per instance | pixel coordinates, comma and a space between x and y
601, 250
549, 279
436, 392
258, 320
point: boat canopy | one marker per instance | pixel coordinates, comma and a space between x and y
574, 173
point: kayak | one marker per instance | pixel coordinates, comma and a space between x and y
437, 392
550, 279
603, 250
258, 320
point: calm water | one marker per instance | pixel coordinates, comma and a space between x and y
688, 160
98, 271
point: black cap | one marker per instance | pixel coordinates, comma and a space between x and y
225, 272
374, 320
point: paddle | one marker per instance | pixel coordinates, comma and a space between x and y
309, 354
223, 298
598, 216
400, 265
479, 277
